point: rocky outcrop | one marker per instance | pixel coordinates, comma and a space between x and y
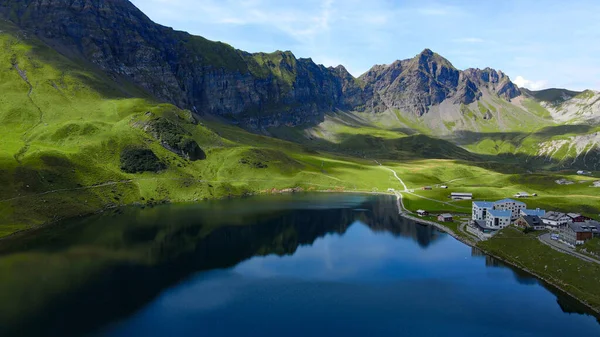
417, 84
255, 90
496, 81
189, 71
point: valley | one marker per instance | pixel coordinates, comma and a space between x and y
157, 115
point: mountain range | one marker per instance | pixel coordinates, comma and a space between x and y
94, 90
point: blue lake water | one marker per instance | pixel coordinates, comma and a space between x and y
317, 265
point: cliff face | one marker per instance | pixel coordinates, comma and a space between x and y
416, 84
189, 71
256, 90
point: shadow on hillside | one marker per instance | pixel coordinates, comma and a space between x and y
68, 62
516, 138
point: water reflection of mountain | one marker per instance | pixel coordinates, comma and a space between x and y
125, 260
383, 216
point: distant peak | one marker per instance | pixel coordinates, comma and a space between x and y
426, 52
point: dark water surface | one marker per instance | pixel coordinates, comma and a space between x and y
292, 265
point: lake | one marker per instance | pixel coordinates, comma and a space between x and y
286, 265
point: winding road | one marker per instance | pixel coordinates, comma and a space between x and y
406, 190
558, 246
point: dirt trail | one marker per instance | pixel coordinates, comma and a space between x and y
25, 148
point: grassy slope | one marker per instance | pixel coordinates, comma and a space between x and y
61, 144
572, 274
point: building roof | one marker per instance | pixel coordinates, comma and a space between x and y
500, 213
483, 204
481, 224
573, 215
584, 227
552, 215
421, 211
508, 200
537, 212
532, 220
446, 215
459, 193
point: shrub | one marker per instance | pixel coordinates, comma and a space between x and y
134, 160
177, 139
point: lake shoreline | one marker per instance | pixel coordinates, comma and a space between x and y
399, 207
504, 260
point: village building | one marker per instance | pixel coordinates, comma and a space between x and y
577, 233
421, 212
530, 221
480, 229
522, 195
461, 196
511, 205
576, 217
480, 209
446, 217
555, 220
537, 212
498, 219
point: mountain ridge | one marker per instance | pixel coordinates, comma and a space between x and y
85, 102
254, 89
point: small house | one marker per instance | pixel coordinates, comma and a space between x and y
575, 217
461, 196
427, 188
522, 195
422, 213
444, 187
530, 221
446, 217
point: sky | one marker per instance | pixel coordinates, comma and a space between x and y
538, 43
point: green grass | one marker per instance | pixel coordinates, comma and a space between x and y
536, 108
62, 142
592, 246
574, 275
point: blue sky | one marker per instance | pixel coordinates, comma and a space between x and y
539, 44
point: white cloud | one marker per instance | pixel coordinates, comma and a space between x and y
533, 85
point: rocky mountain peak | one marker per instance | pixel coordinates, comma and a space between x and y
257, 89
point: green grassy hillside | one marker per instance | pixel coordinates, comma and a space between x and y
70, 134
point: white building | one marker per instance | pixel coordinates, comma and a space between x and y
480, 209
511, 205
498, 219
555, 220
461, 196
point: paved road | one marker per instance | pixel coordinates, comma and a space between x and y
561, 247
